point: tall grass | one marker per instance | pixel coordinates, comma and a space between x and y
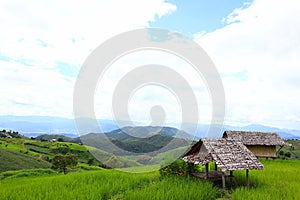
105, 184
279, 180
26, 173
175, 188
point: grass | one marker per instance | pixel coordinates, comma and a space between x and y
26, 173
175, 188
105, 184
11, 160
279, 180
141, 169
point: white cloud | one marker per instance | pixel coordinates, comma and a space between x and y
71, 29
257, 54
149, 95
42, 33
34, 91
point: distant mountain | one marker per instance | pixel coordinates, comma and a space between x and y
146, 132
33, 126
140, 139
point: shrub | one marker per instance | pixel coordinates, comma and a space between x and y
61, 150
177, 168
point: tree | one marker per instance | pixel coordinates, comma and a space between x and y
62, 162
287, 154
281, 152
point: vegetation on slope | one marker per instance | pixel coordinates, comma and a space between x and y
47, 150
11, 160
26, 173
293, 151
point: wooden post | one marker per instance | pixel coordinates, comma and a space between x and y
231, 177
191, 168
206, 170
247, 178
223, 181
216, 167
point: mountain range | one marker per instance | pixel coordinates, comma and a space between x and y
34, 126
160, 143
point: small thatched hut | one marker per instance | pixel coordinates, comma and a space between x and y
262, 144
228, 155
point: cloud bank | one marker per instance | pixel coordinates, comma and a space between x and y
257, 54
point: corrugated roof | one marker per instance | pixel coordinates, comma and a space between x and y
255, 138
228, 154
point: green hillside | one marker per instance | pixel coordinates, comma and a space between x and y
42, 152
47, 137
12, 160
294, 150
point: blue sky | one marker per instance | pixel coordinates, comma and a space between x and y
254, 45
194, 16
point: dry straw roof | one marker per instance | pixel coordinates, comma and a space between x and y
255, 138
228, 154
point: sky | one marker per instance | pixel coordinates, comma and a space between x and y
255, 46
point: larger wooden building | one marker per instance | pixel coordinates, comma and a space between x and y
261, 144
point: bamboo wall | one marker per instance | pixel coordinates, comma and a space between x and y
263, 151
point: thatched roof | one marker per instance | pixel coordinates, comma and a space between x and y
228, 154
255, 138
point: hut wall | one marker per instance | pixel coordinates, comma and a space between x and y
263, 151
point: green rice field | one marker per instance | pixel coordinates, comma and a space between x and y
279, 180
